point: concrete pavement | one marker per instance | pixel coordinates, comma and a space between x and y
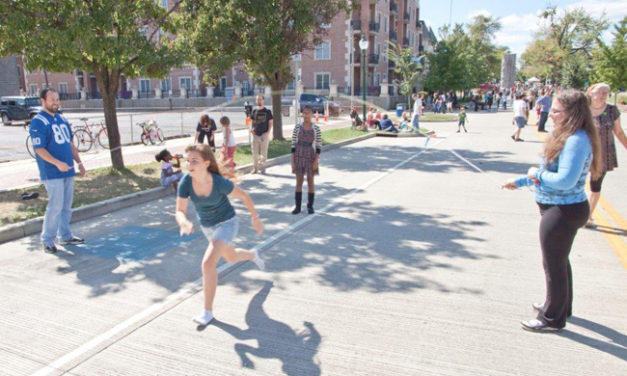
417, 263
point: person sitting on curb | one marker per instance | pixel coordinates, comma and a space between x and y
387, 125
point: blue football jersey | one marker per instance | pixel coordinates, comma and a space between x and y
54, 134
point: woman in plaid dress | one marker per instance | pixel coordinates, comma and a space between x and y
306, 147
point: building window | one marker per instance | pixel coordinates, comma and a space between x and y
323, 51
297, 57
62, 87
164, 3
166, 84
385, 25
322, 80
185, 82
144, 85
377, 79
34, 89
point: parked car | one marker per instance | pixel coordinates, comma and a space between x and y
317, 103
18, 108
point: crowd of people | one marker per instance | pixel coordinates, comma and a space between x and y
581, 143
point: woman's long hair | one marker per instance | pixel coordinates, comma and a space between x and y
577, 108
204, 119
214, 166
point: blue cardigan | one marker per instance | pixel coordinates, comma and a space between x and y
563, 182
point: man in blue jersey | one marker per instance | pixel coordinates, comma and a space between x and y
51, 136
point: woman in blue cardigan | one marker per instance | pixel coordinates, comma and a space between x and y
571, 151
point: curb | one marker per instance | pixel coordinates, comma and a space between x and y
33, 226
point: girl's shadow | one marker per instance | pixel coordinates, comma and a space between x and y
276, 340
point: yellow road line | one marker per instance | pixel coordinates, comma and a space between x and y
616, 242
618, 219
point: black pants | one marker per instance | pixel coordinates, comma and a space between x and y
543, 117
558, 227
201, 139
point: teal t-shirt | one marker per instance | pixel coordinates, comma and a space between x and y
211, 209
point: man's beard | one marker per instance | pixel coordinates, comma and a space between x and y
52, 108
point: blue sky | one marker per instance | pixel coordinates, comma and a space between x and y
518, 18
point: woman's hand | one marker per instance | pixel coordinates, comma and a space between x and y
187, 228
257, 224
315, 164
510, 184
531, 173
293, 163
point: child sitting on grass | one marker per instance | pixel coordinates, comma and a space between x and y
169, 176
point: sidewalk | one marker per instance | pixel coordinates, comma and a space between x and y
416, 263
24, 173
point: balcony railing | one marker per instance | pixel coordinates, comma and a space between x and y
393, 7
357, 57
392, 35
374, 27
356, 25
405, 42
373, 59
418, 24
406, 17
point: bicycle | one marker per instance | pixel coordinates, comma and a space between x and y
82, 138
84, 135
151, 132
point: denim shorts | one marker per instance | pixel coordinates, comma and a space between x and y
224, 231
520, 121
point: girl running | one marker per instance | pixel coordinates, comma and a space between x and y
210, 192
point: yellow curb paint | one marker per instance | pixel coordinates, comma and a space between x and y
616, 242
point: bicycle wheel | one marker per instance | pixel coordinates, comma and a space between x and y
157, 136
29, 147
103, 138
146, 139
82, 140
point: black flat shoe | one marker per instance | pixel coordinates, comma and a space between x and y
535, 325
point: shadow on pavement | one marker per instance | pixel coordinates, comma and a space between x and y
618, 348
276, 340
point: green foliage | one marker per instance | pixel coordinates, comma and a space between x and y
407, 67
105, 37
264, 35
610, 61
465, 59
562, 49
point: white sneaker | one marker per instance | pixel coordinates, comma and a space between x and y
258, 261
204, 318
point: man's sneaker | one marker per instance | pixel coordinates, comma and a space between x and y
50, 248
72, 241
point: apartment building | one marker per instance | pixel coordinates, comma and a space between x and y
11, 76
336, 64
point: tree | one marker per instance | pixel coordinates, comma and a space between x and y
563, 48
609, 61
109, 38
264, 35
406, 66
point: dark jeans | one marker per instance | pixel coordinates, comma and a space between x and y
543, 117
201, 139
558, 227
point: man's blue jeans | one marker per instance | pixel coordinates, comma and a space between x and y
58, 211
415, 123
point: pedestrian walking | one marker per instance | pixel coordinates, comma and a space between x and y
416, 112
210, 191
607, 121
521, 114
260, 129
571, 151
51, 135
206, 128
544, 105
462, 120
306, 148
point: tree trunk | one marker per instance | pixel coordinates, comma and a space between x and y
277, 128
108, 84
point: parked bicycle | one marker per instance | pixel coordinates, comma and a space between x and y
85, 134
79, 141
151, 133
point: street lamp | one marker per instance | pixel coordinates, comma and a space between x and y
363, 44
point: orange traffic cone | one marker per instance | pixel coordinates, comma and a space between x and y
326, 117
317, 117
